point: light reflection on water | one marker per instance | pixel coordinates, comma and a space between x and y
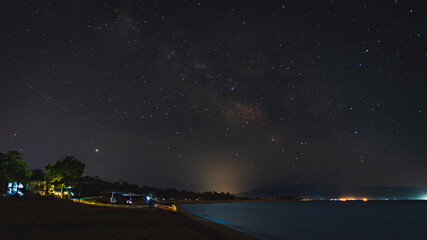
320, 220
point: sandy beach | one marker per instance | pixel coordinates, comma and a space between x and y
52, 218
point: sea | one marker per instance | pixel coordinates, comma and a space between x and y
389, 220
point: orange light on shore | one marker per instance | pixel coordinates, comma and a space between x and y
342, 199
364, 199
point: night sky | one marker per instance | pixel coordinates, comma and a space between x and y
218, 95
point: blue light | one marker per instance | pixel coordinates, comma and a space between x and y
148, 198
14, 188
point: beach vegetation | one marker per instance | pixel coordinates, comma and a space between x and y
68, 168
13, 169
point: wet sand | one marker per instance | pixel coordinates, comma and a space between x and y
229, 232
52, 218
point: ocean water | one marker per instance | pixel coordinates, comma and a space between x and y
400, 220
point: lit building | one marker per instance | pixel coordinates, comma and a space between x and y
15, 188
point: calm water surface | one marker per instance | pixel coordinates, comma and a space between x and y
320, 220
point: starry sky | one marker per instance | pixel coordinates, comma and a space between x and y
218, 95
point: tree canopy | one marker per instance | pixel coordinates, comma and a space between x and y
37, 175
12, 168
69, 167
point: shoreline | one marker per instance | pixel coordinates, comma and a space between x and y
230, 232
53, 218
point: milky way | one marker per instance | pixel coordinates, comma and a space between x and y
218, 95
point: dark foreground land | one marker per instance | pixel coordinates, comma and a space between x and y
52, 218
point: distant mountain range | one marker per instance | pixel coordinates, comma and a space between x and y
328, 191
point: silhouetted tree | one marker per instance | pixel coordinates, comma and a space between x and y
67, 168
38, 176
12, 168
